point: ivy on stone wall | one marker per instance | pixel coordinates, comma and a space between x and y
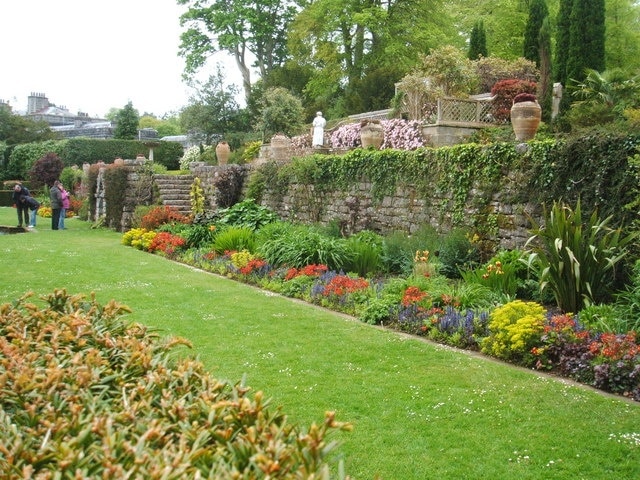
115, 186
451, 172
469, 175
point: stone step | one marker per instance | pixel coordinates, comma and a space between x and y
174, 191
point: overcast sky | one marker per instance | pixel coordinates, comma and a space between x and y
94, 55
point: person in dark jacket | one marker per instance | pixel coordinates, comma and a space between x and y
55, 195
33, 205
19, 191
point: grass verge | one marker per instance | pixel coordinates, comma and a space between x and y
419, 410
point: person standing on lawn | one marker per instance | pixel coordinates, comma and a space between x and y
55, 195
20, 191
65, 206
33, 205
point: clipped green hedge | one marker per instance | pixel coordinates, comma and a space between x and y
77, 151
86, 395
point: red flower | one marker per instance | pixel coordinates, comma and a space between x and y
342, 284
167, 243
413, 295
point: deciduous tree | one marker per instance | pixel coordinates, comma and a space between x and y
247, 30
213, 110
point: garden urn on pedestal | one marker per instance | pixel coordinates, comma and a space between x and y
222, 152
525, 116
280, 148
371, 134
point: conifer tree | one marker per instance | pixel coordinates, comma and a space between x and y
538, 11
562, 41
478, 41
127, 120
586, 39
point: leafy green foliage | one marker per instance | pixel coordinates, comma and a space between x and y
604, 97
129, 390
280, 112
586, 38
574, 258
115, 187
628, 304
71, 178
448, 68
366, 248
246, 213
16, 129
213, 111
457, 253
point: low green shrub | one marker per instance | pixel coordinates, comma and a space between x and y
457, 253
247, 214
95, 397
603, 318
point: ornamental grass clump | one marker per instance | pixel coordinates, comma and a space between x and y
87, 395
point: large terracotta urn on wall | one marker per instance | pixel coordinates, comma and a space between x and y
222, 152
371, 134
525, 116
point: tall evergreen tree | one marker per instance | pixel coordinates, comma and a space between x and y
562, 41
538, 11
478, 41
586, 38
127, 120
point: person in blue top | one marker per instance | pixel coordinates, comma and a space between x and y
19, 191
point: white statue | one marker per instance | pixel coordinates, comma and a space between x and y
318, 130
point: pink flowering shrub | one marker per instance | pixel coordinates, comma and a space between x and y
398, 133
346, 136
402, 134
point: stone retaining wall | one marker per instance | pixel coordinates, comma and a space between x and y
506, 223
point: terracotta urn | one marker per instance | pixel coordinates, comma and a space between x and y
371, 134
222, 152
525, 117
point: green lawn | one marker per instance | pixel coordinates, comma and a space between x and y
419, 411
